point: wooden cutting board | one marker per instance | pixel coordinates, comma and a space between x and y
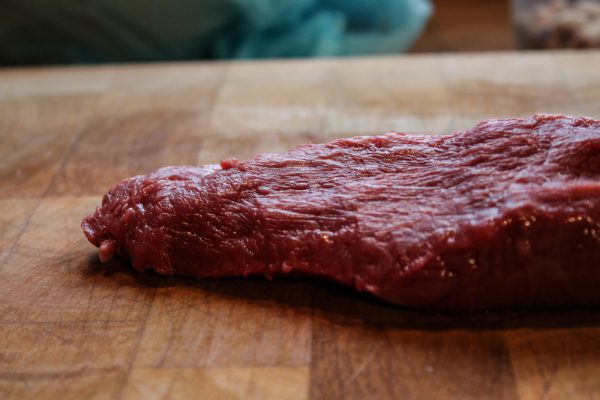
71, 328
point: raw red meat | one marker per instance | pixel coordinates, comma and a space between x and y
505, 214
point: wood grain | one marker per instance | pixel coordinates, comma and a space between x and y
556, 363
14, 222
245, 336
219, 383
73, 328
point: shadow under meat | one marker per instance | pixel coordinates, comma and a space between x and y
341, 304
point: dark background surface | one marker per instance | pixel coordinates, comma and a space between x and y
468, 25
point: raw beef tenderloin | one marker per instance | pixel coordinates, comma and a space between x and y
505, 214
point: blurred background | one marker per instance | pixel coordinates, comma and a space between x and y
99, 31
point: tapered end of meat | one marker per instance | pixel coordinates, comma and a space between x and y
97, 234
108, 224
125, 224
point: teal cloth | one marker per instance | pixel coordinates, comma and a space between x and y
68, 31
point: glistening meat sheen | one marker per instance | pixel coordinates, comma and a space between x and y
505, 214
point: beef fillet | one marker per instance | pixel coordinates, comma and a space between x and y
505, 214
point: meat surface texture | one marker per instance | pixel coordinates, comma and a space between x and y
506, 214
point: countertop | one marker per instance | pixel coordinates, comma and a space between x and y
71, 327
